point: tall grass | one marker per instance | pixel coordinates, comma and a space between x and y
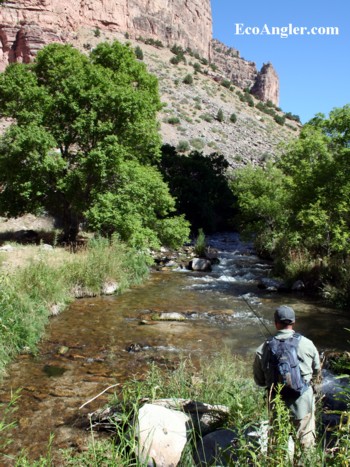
27, 294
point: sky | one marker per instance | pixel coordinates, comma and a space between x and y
313, 69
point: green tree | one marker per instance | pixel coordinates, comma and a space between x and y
81, 123
199, 184
263, 200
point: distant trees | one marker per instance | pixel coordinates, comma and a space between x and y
84, 144
199, 184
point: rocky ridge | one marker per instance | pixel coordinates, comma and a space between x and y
27, 25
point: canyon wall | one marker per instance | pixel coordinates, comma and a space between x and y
26, 25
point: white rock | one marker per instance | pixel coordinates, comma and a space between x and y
161, 435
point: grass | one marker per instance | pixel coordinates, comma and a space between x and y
222, 379
28, 293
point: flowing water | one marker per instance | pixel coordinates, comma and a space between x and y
89, 346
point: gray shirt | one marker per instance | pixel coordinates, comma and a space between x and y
309, 362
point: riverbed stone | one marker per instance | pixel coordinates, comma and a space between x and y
162, 435
110, 287
200, 264
171, 316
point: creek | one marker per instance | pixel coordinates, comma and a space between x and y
88, 347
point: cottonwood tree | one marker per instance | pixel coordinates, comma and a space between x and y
84, 143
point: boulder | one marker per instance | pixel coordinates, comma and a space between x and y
200, 264
217, 448
161, 434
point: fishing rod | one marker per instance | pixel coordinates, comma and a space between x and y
260, 320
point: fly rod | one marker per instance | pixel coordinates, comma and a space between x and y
260, 320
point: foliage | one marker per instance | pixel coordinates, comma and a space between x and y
233, 118
200, 187
200, 243
85, 126
138, 52
262, 195
220, 117
188, 79
301, 204
183, 146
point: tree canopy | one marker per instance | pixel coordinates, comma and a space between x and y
200, 185
300, 205
85, 138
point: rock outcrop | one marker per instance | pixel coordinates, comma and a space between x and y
266, 86
244, 74
27, 25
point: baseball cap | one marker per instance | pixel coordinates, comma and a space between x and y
284, 314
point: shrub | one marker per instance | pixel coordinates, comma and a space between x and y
279, 119
173, 120
183, 146
188, 79
197, 67
138, 52
200, 243
206, 117
197, 143
233, 118
220, 116
175, 60
226, 83
97, 32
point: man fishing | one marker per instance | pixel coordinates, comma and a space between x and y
274, 363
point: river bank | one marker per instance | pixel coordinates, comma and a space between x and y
101, 341
40, 281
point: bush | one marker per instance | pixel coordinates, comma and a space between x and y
200, 244
175, 60
173, 120
188, 79
183, 146
279, 119
97, 32
220, 116
138, 52
206, 117
233, 118
226, 83
197, 67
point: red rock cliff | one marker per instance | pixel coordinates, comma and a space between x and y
26, 25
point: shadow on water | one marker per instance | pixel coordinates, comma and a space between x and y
85, 349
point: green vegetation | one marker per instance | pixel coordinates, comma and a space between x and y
233, 118
220, 117
200, 243
138, 52
299, 207
188, 79
85, 133
28, 294
223, 380
200, 187
183, 146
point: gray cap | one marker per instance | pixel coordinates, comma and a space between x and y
285, 314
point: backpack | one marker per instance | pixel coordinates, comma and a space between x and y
284, 366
